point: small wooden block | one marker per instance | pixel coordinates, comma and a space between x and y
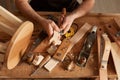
51, 64
55, 38
38, 59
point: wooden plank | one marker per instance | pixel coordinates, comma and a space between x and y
105, 57
115, 51
99, 42
103, 74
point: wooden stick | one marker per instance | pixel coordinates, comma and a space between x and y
99, 35
115, 51
104, 61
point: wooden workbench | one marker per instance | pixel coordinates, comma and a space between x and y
23, 69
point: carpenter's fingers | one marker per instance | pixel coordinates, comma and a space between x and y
50, 31
66, 29
55, 27
63, 26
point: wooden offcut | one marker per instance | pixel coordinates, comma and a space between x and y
105, 57
115, 51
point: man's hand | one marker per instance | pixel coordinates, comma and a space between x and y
66, 23
49, 26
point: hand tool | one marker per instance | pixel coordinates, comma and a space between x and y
66, 46
83, 56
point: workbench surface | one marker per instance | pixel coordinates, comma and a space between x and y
23, 69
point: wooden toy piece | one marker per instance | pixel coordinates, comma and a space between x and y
18, 44
55, 38
10, 17
104, 60
115, 50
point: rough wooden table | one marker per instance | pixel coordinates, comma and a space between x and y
23, 70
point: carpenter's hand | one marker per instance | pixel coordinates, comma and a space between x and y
66, 23
49, 26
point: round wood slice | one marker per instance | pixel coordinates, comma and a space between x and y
18, 44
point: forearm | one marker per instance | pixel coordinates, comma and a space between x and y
84, 8
26, 9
